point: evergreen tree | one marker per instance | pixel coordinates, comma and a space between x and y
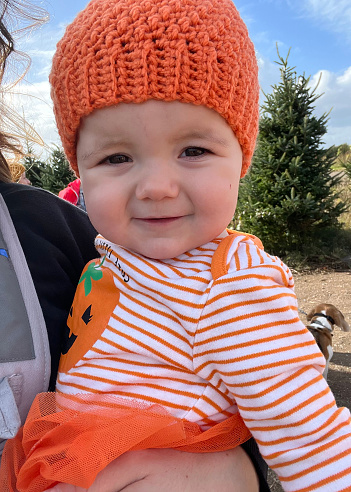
57, 173
34, 168
288, 195
53, 175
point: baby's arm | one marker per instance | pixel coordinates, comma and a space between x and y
252, 344
160, 470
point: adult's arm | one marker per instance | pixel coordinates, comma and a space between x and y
158, 470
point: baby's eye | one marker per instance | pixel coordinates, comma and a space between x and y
116, 159
194, 152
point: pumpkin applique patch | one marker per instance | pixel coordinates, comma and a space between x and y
95, 299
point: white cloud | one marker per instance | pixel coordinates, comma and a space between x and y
33, 103
268, 74
39, 45
30, 98
334, 15
335, 90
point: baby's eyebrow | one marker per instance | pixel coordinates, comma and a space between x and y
202, 135
104, 145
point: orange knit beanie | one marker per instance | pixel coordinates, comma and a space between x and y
194, 51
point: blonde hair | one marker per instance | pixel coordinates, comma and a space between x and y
17, 169
16, 16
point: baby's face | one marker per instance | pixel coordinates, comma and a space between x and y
159, 178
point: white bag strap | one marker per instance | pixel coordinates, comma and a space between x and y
24, 345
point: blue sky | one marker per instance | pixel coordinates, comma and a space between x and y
317, 31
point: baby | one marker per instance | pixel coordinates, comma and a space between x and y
184, 335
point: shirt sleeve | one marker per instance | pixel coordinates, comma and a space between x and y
250, 343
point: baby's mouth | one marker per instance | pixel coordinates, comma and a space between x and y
160, 220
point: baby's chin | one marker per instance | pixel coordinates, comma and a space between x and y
160, 249
159, 253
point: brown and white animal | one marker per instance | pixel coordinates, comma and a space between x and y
321, 320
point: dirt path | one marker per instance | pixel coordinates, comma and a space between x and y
333, 288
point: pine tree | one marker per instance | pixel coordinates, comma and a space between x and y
34, 168
57, 173
288, 195
53, 175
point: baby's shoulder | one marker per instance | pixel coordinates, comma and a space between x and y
243, 254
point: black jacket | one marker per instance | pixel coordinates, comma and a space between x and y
58, 240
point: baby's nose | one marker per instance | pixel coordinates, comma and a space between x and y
158, 182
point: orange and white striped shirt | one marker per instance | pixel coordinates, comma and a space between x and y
207, 335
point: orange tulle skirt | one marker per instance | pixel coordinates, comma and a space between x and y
70, 439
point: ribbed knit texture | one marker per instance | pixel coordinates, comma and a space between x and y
195, 51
